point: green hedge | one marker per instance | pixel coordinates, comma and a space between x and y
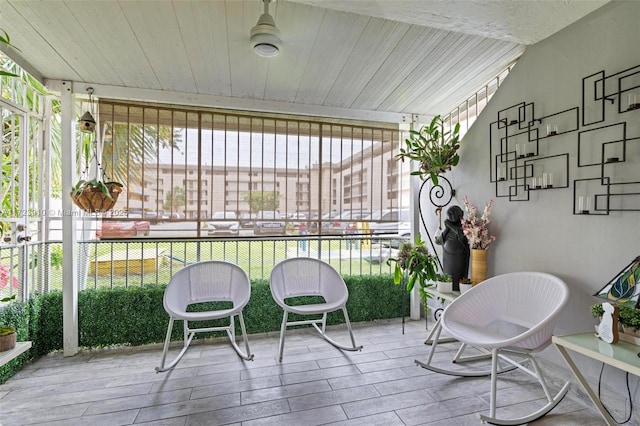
135, 316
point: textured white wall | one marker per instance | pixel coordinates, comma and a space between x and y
543, 234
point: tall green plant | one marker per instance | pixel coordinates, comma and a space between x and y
434, 148
416, 262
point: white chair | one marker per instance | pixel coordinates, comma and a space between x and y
512, 316
210, 281
304, 276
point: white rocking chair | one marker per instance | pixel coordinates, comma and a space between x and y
210, 281
303, 276
512, 316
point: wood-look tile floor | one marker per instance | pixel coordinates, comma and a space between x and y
315, 384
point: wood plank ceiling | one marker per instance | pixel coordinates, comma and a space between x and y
396, 57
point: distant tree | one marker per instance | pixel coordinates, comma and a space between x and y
259, 200
175, 199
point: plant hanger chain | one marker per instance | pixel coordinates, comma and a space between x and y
92, 155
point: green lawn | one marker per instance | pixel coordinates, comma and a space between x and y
256, 257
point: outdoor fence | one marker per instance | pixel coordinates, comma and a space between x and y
138, 262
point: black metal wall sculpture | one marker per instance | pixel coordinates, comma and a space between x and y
525, 149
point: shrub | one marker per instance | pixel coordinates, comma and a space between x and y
135, 316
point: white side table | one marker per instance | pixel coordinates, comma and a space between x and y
622, 355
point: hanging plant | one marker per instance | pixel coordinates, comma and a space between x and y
97, 195
434, 148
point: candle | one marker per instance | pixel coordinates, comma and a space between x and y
580, 204
632, 101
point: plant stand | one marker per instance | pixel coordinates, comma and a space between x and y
19, 349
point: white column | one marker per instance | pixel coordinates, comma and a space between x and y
414, 185
69, 235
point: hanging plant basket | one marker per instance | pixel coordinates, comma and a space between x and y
96, 196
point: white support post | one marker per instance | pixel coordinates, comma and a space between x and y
414, 188
69, 234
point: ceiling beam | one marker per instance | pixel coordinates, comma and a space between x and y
212, 101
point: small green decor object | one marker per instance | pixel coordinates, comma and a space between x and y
434, 148
95, 196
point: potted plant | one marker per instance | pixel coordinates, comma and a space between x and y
444, 283
434, 148
418, 264
465, 285
7, 334
95, 196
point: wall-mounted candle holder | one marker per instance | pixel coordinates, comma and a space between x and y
552, 129
581, 205
633, 101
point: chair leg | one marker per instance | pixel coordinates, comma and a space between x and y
167, 339
494, 382
458, 373
552, 401
232, 337
283, 329
188, 337
346, 318
353, 346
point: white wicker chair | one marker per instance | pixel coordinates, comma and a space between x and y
210, 281
304, 276
512, 316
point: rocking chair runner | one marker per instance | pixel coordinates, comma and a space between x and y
210, 281
304, 276
512, 316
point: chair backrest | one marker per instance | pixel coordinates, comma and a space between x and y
528, 300
304, 276
204, 282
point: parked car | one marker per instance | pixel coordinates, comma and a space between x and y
153, 217
347, 219
223, 223
295, 219
246, 220
268, 222
389, 222
176, 215
396, 240
110, 228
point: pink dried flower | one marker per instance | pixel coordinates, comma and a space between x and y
476, 229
